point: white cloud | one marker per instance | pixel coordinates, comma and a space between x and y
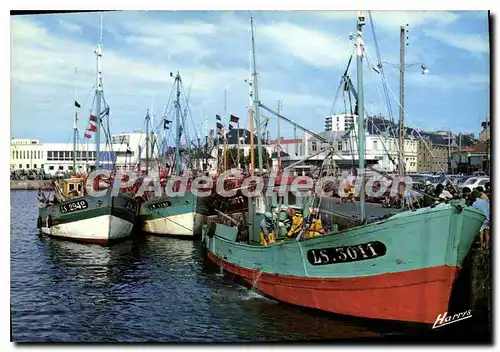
447, 82
474, 43
300, 63
69, 26
311, 46
394, 19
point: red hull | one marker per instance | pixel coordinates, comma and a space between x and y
410, 296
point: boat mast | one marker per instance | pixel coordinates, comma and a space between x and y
147, 140
98, 94
361, 109
401, 164
75, 124
256, 101
177, 124
279, 137
225, 137
252, 154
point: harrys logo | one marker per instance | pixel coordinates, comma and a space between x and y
443, 319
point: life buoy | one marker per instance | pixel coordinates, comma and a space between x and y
39, 223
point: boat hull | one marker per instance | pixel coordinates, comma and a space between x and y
103, 230
391, 296
172, 216
410, 279
105, 220
174, 225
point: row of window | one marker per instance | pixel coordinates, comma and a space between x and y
339, 146
68, 155
52, 155
27, 154
51, 167
27, 166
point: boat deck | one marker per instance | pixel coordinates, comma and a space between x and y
333, 204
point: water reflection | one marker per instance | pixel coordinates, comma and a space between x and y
144, 289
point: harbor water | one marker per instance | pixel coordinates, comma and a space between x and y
145, 289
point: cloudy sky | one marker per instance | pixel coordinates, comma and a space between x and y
300, 59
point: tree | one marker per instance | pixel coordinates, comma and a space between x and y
232, 158
266, 159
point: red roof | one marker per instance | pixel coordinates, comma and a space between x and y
476, 148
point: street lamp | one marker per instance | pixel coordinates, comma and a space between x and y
378, 67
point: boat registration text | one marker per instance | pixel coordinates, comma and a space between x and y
346, 254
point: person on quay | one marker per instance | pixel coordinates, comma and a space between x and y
480, 202
267, 227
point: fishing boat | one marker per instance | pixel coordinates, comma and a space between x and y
72, 212
398, 268
176, 212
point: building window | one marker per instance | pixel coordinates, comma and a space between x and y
375, 147
61, 155
51, 167
41, 166
49, 155
34, 166
39, 154
70, 168
314, 147
61, 167
20, 166
27, 166
17, 154
345, 145
339, 145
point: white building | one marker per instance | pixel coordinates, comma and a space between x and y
379, 150
54, 157
340, 122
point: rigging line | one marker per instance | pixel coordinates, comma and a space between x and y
380, 65
337, 94
384, 83
392, 130
415, 128
352, 126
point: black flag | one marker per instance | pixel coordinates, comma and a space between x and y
77, 105
165, 124
234, 118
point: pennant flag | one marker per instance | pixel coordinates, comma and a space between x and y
77, 105
219, 125
230, 127
165, 124
217, 117
86, 135
234, 118
93, 117
92, 127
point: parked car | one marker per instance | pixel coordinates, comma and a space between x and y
472, 183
